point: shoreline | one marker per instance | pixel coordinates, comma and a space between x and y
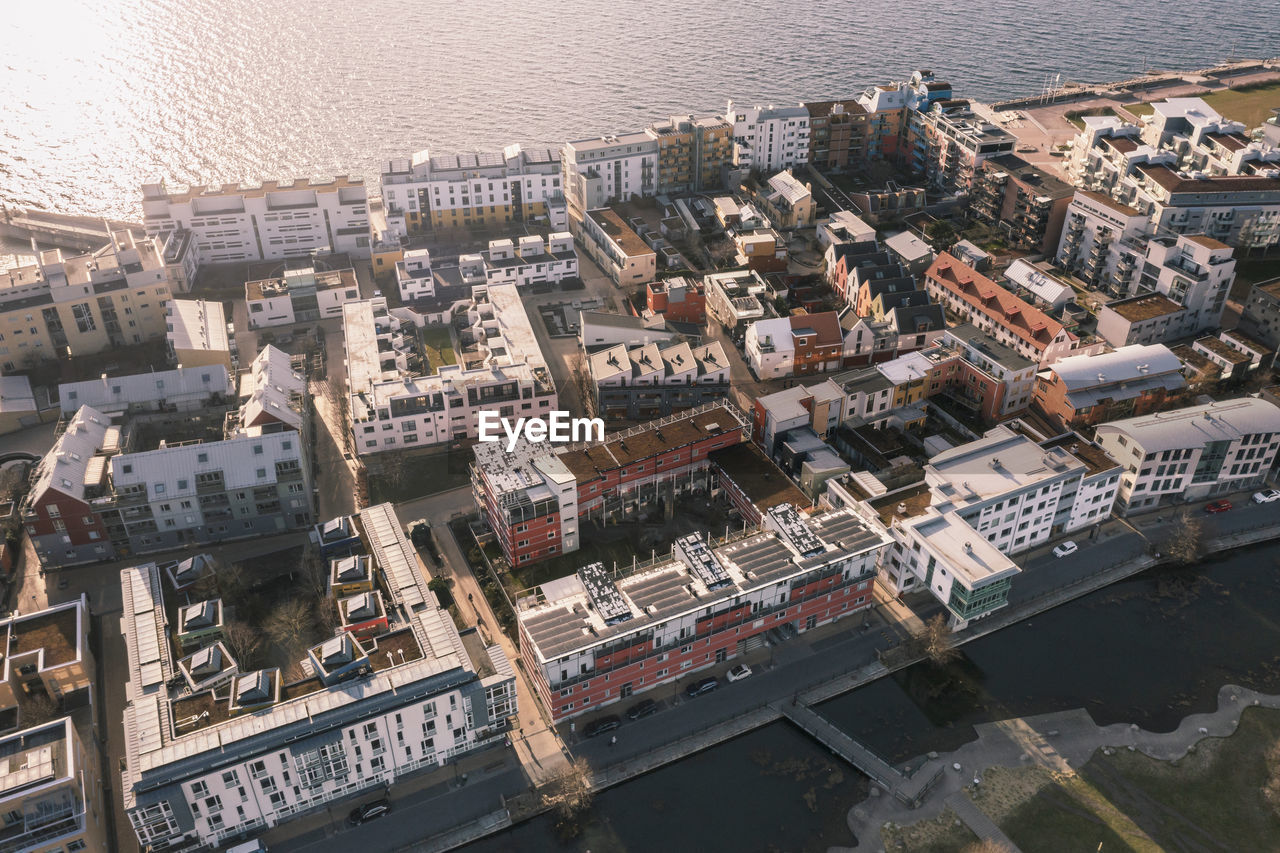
1131, 86
1060, 742
770, 711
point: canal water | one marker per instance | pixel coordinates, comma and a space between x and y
1148, 650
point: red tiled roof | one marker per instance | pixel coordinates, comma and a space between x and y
1025, 320
826, 325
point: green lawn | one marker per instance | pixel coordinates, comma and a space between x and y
1076, 117
439, 346
1251, 106
1140, 110
1210, 799
592, 550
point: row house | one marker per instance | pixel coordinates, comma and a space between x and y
653, 380
534, 496
256, 750
269, 222
81, 305
423, 194
1086, 389
1188, 454
1010, 320
799, 345
530, 260
501, 369
979, 504
601, 636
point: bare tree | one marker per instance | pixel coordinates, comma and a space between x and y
290, 622
936, 641
582, 378
1186, 544
245, 643
314, 571
568, 793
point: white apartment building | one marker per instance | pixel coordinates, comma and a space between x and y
769, 139
608, 169
300, 295
422, 194
203, 768
1186, 172
531, 260
979, 504
197, 333
392, 409
1102, 240
734, 297
615, 247
1189, 454
263, 223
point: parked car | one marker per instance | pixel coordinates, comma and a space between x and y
1267, 496
642, 709
706, 685
1065, 548
602, 725
368, 812
1218, 506
738, 673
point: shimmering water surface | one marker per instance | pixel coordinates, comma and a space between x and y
98, 96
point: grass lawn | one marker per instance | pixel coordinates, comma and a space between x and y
619, 551
1143, 109
439, 346
1077, 117
944, 834
1251, 106
1210, 799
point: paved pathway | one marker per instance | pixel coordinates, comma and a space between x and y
977, 821
1062, 742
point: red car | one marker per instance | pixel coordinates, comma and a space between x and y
1218, 506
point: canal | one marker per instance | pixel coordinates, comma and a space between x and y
1149, 650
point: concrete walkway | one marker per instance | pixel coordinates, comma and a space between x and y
978, 822
1061, 742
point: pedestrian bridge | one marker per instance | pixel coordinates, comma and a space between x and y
910, 790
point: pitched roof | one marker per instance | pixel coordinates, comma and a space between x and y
984, 295
826, 324
65, 466
1123, 365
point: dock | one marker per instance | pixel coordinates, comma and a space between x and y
82, 233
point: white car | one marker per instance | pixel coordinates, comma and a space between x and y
1065, 548
1266, 497
738, 673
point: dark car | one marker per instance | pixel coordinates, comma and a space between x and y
642, 709
368, 812
1218, 506
600, 726
706, 685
